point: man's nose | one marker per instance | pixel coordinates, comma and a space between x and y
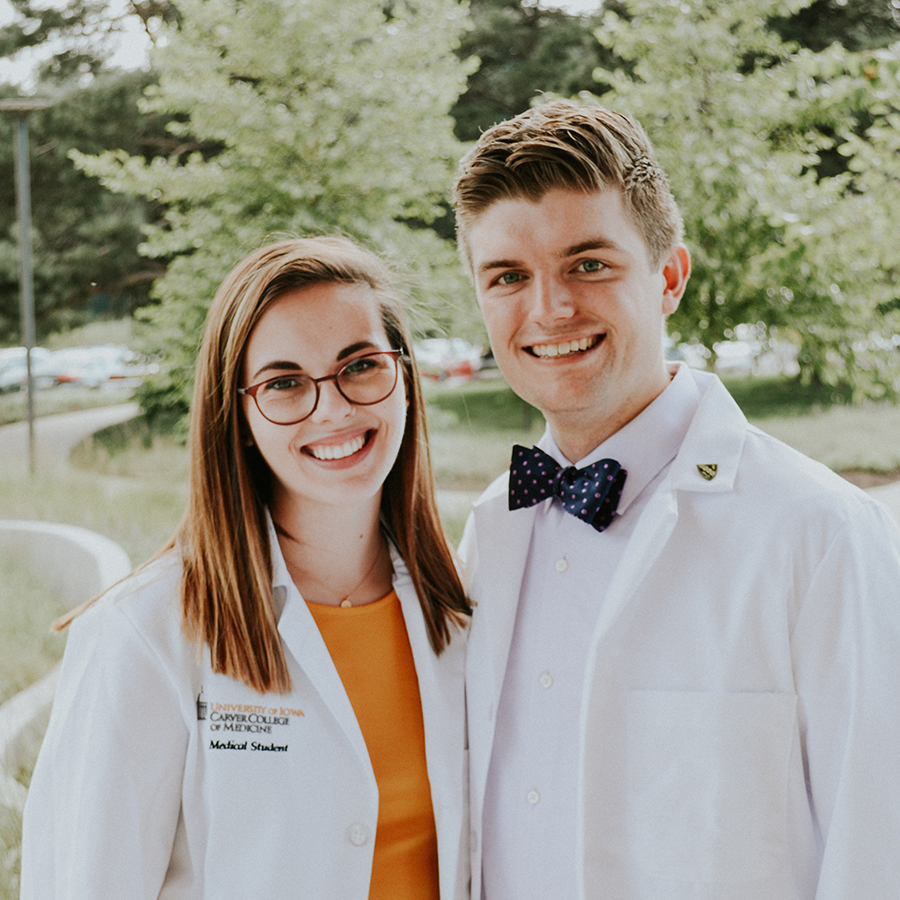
553, 299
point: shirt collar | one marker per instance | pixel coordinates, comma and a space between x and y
649, 442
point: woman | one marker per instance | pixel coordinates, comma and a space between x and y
273, 707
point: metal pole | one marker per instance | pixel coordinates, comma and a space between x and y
26, 276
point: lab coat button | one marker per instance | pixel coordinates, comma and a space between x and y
562, 565
545, 680
358, 834
533, 797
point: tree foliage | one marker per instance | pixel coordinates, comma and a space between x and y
524, 50
340, 123
742, 122
85, 239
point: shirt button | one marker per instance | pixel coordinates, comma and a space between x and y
358, 834
562, 565
545, 680
533, 797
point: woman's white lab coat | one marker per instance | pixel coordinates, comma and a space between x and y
740, 730
158, 778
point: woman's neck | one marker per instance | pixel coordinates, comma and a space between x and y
334, 558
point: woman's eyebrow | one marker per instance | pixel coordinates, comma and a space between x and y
283, 365
355, 348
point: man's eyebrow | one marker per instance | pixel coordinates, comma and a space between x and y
497, 264
598, 243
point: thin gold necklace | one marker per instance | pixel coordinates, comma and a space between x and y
345, 601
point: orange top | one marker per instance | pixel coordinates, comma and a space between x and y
370, 649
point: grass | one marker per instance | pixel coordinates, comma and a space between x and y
27, 651
27, 648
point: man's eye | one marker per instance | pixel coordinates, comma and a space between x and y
590, 265
509, 278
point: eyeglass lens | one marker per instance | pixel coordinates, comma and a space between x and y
364, 381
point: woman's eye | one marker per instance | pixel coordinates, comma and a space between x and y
285, 383
360, 366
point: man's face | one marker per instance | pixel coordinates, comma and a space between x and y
574, 309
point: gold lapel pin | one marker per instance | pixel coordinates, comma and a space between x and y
708, 470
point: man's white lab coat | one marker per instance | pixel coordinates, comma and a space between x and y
740, 723
158, 778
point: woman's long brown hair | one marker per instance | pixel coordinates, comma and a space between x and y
226, 591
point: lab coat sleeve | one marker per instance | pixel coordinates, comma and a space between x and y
105, 796
846, 646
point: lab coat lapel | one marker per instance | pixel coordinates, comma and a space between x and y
304, 641
433, 688
502, 549
443, 713
716, 436
302, 638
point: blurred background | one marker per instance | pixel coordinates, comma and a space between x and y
177, 136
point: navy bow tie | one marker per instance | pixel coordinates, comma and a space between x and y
590, 494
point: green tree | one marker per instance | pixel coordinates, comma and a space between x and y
524, 50
740, 120
340, 123
79, 34
855, 24
85, 238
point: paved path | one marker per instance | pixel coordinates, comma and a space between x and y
55, 437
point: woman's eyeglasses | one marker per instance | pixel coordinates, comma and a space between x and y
291, 397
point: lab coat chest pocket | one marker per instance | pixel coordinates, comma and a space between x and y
707, 785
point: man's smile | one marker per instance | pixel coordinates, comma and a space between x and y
565, 348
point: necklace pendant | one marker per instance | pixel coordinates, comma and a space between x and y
346, 603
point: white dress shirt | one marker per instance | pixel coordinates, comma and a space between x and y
531, 800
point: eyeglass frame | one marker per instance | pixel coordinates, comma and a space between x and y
398, 355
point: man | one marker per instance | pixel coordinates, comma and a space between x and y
682, 681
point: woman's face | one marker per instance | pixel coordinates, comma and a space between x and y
341, 454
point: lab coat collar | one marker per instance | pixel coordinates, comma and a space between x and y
648, 443
715, 438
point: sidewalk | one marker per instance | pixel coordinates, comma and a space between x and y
55, 437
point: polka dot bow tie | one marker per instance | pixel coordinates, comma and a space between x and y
590, 494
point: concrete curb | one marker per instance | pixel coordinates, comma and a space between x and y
75, 564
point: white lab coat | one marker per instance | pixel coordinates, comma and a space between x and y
740, 724
156, 779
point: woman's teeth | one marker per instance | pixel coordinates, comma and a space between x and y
338, 451
565, 348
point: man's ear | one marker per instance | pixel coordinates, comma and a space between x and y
676, 271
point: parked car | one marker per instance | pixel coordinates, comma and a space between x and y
90, 367
441, 358
13, 370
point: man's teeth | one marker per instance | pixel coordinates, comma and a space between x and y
339, 451
563, 349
